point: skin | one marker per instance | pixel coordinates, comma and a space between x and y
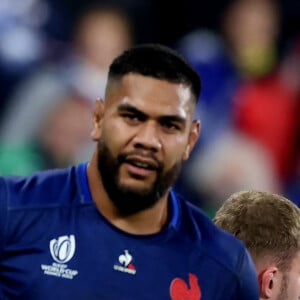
293, 280
152, 120
278, 285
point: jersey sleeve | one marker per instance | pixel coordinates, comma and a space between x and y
3, 212
248, 288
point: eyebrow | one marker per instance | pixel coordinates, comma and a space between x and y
131, 109
134, 110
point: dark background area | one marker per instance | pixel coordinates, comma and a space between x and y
153, 21
166, 21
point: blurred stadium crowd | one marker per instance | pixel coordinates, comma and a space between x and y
54, 57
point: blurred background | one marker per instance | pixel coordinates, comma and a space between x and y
54, 58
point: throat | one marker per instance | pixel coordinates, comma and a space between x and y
149, 221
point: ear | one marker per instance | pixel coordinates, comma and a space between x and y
97, 119
193, 138
268, 282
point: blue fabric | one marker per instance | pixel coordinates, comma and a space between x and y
55, 244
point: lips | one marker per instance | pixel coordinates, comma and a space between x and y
143, 163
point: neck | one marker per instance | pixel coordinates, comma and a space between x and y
148, 221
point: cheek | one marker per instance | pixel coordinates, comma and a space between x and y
298, 285
294, 286
174, 151
114, 136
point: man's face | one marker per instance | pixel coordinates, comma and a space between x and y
290, 283
146, 132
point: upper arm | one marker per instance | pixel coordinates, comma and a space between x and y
3, 212
248, 283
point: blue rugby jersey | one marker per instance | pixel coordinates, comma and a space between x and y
55, 244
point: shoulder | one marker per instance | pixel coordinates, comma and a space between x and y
48, 187
224, 253
221, 246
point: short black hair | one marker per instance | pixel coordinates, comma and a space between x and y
157, 61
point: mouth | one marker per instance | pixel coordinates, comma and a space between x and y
140, 167
144, 164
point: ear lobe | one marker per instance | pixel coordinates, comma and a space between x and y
267, 282
97, 119
187, 152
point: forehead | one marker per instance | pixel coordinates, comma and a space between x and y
151, 95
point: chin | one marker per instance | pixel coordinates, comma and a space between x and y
138, 189
136, 184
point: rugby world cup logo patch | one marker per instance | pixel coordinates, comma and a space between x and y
63, 248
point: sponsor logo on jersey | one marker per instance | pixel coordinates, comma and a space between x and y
180, 290
125, 263
62, 250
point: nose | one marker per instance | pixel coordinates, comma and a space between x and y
147, 137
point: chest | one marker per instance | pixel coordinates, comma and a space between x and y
61, 257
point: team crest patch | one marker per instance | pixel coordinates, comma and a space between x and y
179, 290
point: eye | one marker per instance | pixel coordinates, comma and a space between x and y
171, 126
131, 118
